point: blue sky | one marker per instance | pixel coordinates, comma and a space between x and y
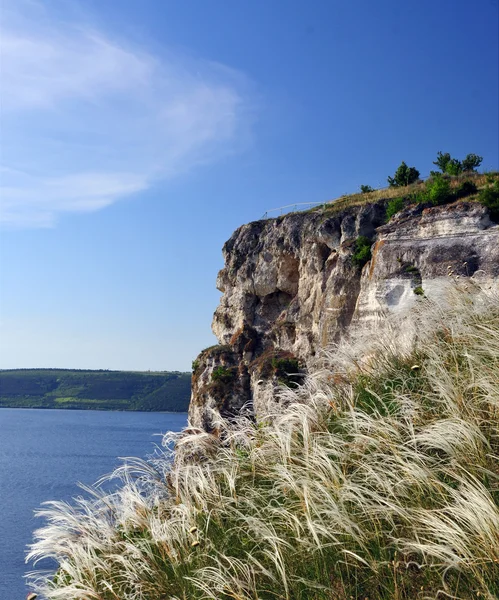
138, 134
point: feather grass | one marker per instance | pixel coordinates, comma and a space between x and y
379, 479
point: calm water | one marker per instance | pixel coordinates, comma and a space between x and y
43, 453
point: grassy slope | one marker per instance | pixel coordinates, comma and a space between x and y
380, 480
406, 193
104, 390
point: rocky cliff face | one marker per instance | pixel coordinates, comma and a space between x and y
291, 286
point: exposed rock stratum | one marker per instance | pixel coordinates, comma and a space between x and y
290, 288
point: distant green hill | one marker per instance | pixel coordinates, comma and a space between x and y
98, 390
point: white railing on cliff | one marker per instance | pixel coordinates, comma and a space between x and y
308, 205
294, 207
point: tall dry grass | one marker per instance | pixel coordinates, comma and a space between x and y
379, 479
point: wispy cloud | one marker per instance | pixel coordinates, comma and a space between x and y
87, 119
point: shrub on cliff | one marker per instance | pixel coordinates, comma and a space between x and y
287, 371
393, 207
466, 188
404, 175
489, 197
361, 251
472, 162
223, 374
442, 161
438, 191
454, 167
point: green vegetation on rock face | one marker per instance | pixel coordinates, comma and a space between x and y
361, 251
438, 191
103, 390
393, 207
455, 180
442, 189
489, 197
375, 479
223, 374
287, 371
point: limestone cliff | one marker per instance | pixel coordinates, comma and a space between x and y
290, 287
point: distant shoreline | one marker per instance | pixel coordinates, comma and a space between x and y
173, 412
90, 389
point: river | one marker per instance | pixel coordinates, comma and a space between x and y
44, 453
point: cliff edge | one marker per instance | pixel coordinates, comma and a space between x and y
295, 284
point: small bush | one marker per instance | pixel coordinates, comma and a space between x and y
418, 291
404, 175
285, 365
454, 167
362, 251
438, 191
412, 270
467, 188
489, 197
419, 197
472, 162
222, 374
393, 207
287, 371
365, 189
441, 162
195, 365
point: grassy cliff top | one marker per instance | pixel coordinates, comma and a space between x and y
417, 192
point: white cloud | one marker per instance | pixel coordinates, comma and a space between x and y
87, 120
